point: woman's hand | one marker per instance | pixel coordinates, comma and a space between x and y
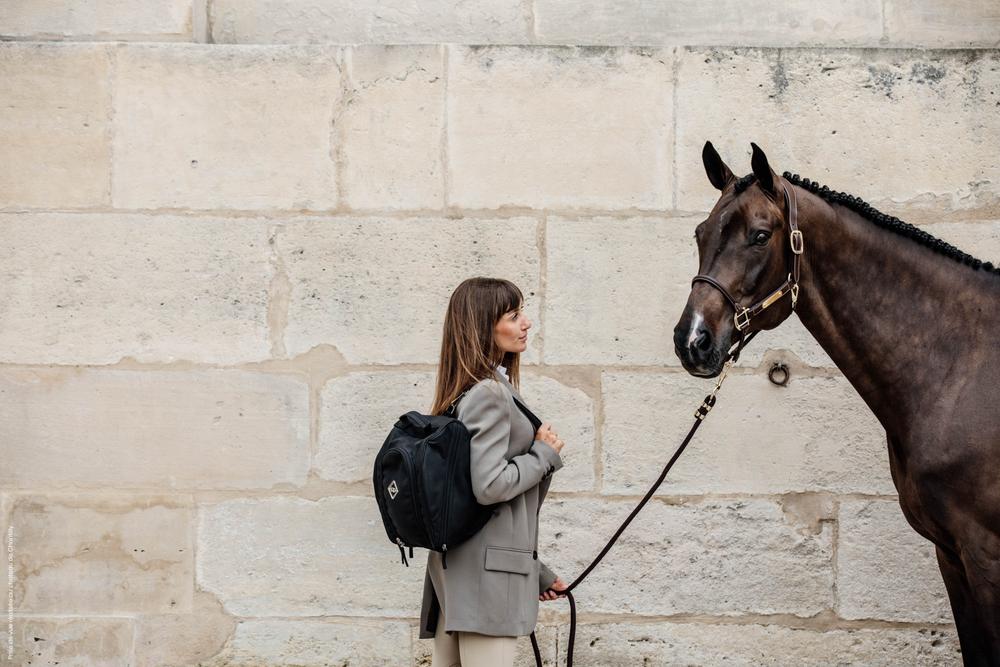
549, 437
550, 594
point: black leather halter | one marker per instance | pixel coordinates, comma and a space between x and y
743, 315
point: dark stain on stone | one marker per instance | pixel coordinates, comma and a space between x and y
883, 78
779, 77
927, 73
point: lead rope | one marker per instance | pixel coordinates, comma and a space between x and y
700, 414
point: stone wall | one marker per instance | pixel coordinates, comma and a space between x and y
230, 230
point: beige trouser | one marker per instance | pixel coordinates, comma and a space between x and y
471, 649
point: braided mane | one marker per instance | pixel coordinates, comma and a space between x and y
883, 220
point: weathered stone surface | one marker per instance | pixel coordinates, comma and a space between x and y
815, 434
356, 413
841, 117
720, 557
391, 127
979, 239
166, 429
524, 656
662, 644
617, 287
570, 411
179, 640
325, 557
54, 123
385, 22
885, 570
747, 23
316, 643
88, 555
926, 23
95, 288
377, 288
72, 642
99, 19
559, 127
213, 126
359, 409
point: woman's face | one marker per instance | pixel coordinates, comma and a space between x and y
511, 331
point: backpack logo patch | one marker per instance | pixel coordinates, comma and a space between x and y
393, 489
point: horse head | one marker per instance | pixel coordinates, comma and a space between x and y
745, 255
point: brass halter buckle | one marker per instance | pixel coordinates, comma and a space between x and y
742, 319
797, 241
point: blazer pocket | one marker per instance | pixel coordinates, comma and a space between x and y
508, 559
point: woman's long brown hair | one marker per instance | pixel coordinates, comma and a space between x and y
469, 352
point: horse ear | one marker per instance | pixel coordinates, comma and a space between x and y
718, 173
762, 170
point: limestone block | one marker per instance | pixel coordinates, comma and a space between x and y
737, 645
924, 23
95, 288
889, 126
617, 288
722, 557
209, 429
885, 570
392, 123
377, 288
570, 411
560, 127
54, 123
815, 434
99, 20
70, 642
357, 411
387, 22
286, 556
752, 23
545, 633
91, 555
179, 640
209, 126
315, 643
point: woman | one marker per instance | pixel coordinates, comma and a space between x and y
488, 596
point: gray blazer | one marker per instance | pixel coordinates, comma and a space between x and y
494, 578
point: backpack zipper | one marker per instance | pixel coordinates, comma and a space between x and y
447, 508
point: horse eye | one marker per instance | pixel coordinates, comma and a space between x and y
761, 237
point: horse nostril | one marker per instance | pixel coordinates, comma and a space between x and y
704, 341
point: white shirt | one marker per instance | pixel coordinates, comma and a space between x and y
502, 369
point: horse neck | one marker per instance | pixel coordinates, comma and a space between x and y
879, 304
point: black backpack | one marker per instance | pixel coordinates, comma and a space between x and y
423, 482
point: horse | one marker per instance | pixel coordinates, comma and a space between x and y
911, 321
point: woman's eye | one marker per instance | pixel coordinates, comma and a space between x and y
760, 238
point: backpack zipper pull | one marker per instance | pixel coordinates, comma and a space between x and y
403, 553
444, 556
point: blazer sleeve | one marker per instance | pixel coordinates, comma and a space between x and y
545, 577
486, 413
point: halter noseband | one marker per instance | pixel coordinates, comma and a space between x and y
743, 315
